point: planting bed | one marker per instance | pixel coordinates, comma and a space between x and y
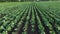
30, 18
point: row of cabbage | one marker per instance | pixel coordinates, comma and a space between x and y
29, 18
52, 18
11, 17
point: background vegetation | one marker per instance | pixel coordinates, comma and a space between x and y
24, 0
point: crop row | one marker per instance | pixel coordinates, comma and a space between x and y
29, 19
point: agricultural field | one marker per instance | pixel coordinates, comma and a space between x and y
30, 17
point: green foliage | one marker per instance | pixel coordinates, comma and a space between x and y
40, 17
25, 0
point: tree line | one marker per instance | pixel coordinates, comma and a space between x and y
24, 0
